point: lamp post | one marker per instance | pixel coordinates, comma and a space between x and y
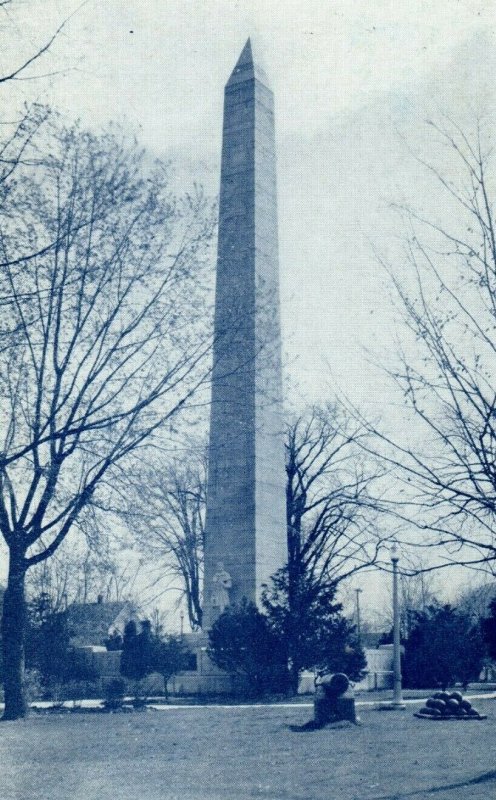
182, 622
359, 633
397, 693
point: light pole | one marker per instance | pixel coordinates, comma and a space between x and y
397, 693
182, 622
359, 633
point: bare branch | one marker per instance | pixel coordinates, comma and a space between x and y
14, 74
446, 366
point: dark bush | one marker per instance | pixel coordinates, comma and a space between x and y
115, 690
444, 647
242, 642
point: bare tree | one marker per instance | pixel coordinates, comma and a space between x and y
82, 574
166, 513
332, 506
417, 594
18, 145
448, 358
103, 338
331, 511
475, 601
18, 130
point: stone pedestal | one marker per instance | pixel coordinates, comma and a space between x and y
207, 679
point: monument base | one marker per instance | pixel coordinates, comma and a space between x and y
207, 678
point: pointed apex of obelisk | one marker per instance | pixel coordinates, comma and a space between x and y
246, 57
247, 68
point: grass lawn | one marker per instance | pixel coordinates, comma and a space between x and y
236, 754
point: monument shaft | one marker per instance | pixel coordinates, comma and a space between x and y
246, 515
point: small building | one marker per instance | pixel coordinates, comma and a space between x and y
91, 624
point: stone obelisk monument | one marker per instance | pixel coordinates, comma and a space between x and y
245, 541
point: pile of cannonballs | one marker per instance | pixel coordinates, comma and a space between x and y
445, 705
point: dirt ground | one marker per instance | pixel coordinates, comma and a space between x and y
239, 754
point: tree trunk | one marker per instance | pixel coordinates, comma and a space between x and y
294, 616
13, 627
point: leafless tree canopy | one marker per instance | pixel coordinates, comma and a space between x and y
78, 573
418, 590
18, 129
447, 367
332, 507
18, 145
98, 339
475, 601
166, 513
21, 68
98, 342
104, 336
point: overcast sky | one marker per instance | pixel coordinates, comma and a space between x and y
353, 82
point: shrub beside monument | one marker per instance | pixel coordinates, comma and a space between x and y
311, 627
243, 643
257, 651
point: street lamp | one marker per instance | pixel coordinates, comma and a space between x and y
182, 622
397, 693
